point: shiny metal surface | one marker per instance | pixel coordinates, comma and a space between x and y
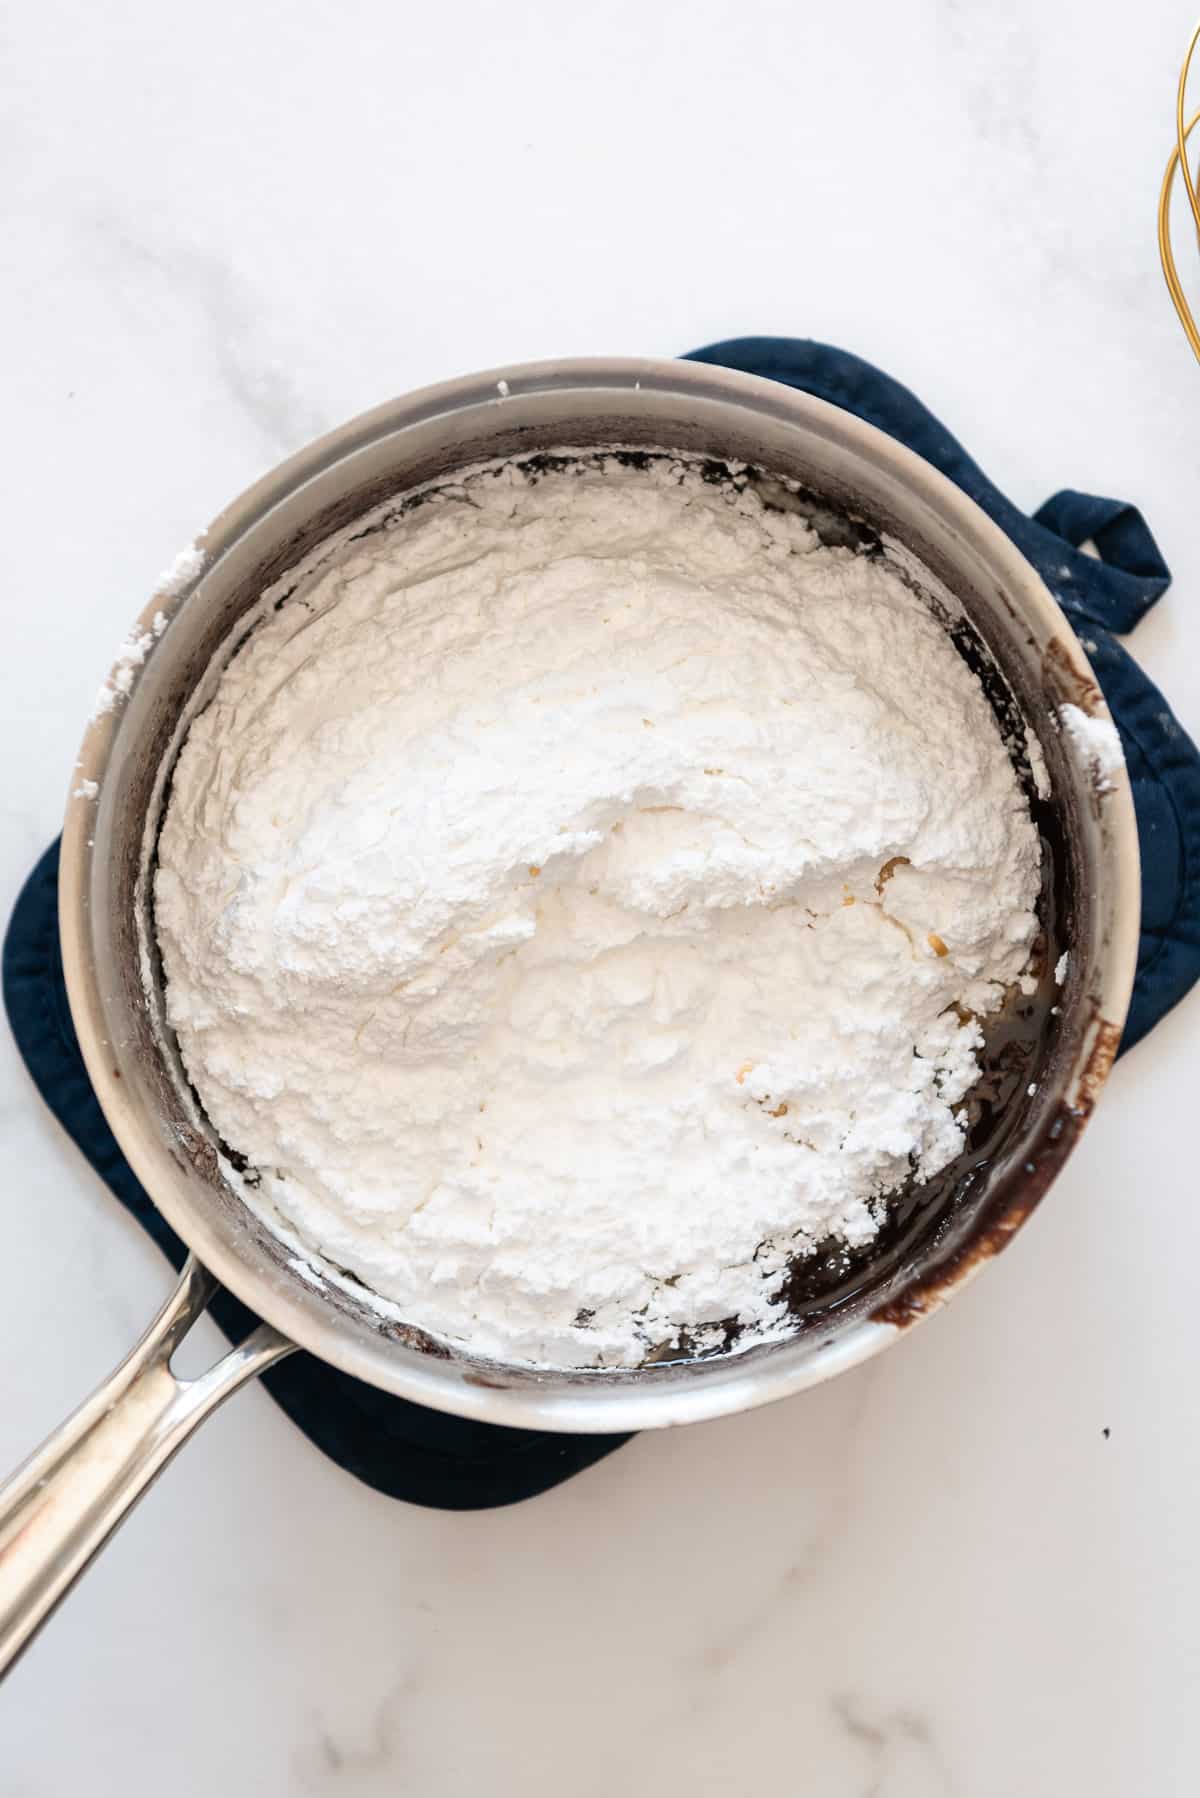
104, 921
682, 405
60, 1507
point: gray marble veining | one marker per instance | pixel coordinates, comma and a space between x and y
229, 229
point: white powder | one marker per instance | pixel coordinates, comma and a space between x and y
137, 646
1037, 763
565, 900
128, 659
1098, 743
305, 1270
180, 573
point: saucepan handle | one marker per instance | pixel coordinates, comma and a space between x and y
61, 1507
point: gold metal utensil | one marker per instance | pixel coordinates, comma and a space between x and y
1178, 162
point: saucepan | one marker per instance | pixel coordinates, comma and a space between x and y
61, 1506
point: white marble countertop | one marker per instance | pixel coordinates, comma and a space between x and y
971, 1567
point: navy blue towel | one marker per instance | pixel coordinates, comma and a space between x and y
1104, 596
426, 1458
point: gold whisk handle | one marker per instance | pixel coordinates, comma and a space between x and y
1177, 163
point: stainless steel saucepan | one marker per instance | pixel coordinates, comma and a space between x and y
60, 1507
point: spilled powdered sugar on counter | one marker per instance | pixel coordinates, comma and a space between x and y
578, 901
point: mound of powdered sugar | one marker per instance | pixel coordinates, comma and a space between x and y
571, 899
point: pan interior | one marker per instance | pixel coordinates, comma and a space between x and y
826, 1291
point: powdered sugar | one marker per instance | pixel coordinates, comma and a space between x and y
1097, 742
566, 899
137, 646
306, 1270
128, 659
1037, 763
181, 572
